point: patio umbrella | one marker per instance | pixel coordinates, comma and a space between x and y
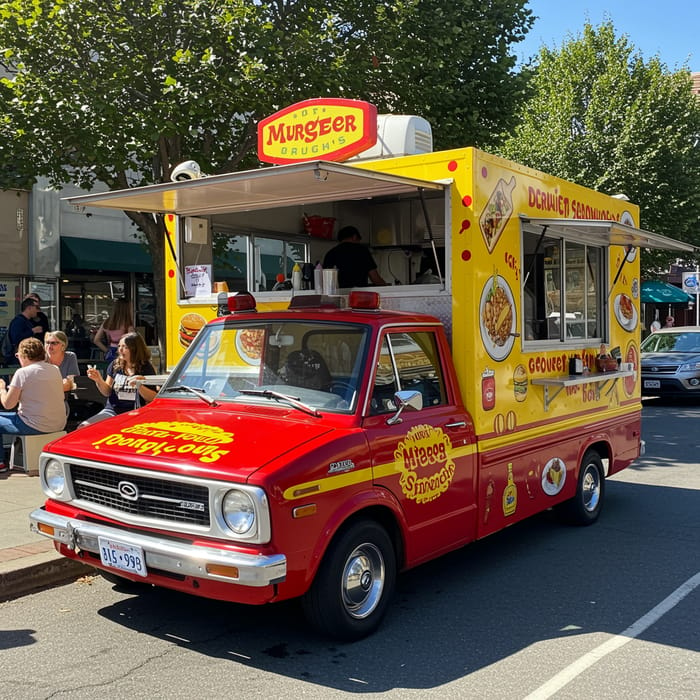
657, 292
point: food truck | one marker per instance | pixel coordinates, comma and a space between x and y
313, 442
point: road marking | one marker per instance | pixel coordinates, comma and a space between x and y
575, 669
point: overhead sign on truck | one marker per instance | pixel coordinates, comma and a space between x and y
325, 128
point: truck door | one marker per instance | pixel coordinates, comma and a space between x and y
427, 459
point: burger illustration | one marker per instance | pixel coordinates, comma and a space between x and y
520, 383
190, 325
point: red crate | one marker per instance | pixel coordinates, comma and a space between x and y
319, 226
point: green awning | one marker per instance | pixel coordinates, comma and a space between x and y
78, 254
657, 292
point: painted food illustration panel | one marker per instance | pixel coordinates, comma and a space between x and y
497, 317
497, 212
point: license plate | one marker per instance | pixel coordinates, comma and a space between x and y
122, 556
652, 384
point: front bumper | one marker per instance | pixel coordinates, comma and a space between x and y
670, 385
169, 555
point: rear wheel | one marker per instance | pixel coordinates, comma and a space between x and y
585, 507
354, 583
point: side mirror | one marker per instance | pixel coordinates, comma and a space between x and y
412, 400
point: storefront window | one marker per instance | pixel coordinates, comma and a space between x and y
10, 293
145, 311
87, 300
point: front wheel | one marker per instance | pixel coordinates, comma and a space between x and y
585, 507
354, 583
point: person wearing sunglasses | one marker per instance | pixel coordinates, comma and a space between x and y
56, 344
37, 392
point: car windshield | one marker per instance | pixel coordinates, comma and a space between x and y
681, 341
313, 366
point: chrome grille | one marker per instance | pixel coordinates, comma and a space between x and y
661, 369
142, 496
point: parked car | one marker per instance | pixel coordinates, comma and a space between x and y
671, 362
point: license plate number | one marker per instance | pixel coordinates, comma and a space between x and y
652, 384
122, 556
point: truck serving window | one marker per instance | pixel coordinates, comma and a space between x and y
243, 259
407, 361
562, 289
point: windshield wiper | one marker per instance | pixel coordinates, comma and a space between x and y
196, 391
292, 400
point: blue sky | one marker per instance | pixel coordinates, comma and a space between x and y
670, 29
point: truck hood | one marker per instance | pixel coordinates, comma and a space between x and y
216, 441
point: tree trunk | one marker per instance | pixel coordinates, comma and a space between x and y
153, 227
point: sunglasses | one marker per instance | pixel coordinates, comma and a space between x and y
52, 342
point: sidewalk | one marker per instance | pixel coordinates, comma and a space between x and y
27, 561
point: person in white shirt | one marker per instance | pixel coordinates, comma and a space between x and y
36, 390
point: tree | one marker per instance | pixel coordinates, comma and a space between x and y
601, 116
120, 91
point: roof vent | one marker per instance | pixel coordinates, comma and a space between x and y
399, 135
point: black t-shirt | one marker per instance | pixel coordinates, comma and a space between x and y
123, 397
354, 262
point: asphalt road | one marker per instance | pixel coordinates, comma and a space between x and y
537, 611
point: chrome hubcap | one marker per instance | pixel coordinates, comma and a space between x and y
591, 488
363, 580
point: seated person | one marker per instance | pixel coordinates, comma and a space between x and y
37, 391
123, 393
56, 344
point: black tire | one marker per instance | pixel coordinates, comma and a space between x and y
585, 507
354, 584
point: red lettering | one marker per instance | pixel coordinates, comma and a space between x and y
275, 133
409, 459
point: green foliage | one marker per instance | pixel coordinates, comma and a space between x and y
601, 116
120, 91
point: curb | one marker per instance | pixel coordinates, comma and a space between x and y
19, 582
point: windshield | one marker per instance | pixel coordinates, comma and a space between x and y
312, 363
682, 341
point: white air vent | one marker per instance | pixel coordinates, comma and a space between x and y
399, 135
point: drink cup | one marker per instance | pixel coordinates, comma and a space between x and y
330, 282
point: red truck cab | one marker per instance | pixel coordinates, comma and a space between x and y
309, 452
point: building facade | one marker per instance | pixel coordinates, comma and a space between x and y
79, 262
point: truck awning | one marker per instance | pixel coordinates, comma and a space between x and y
264, 188
610, 233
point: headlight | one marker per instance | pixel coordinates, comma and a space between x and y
689, 367
238, 509
55, 477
